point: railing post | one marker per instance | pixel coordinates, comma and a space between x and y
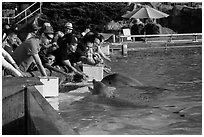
26, 15
120, 39
113, 38
166, 46
195, 40
145, 39
40, 7
170, 39
133, 39
124, 49
8, 20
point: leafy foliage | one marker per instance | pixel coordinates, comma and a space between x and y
81, 14
99, 14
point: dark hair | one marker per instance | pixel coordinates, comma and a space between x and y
10, 32
71, 38
86, 27
6, 28
99, 36
89, 37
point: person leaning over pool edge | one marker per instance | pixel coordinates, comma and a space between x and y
67, 56
28, 51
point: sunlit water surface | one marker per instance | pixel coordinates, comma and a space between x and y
174, 111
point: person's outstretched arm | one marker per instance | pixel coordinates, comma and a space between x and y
68, 64
10, 60
55, 69
8, 57
9, 67
102, 54
39, 64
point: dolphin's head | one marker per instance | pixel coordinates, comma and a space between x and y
110, 80
98, 87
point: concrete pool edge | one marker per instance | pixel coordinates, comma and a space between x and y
25, 111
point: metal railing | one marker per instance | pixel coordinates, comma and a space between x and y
170, 37
25, 14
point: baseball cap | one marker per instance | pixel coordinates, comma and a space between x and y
68, 25
48, 30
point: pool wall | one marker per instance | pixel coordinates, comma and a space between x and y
26, 112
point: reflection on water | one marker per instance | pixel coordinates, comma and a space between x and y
142, 111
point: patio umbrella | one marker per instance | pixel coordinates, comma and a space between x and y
145, 12
129, 14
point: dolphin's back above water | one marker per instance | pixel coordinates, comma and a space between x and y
116, 80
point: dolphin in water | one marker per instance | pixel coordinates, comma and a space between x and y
119, 80
101, 89
118, 93
107, 95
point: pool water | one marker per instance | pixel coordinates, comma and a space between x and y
160, 112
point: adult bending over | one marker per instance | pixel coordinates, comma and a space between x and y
66, 54
27, 52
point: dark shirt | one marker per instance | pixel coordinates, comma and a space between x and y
42, 54
81, 49
63, 41
63, 52
89, 37
135, 29
152, 28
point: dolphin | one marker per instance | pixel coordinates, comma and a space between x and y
118, 90
118, 80
101, 89
107, 95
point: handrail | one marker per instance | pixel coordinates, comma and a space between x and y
21, 11
24, 11
160, 35
28, 16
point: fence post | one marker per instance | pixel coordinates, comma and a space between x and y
145, 39
124, 49
121, 39
40, 7
166, 46
26, 15
113, 38
170, 39
195, 40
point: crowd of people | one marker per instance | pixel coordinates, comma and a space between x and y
47, 51
139, 27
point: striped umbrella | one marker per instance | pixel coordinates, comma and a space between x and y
145, 12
